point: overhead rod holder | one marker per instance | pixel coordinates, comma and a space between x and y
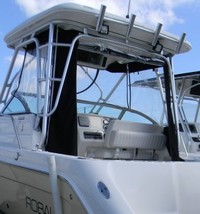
101, 18
180, 44
156, 35
130, 26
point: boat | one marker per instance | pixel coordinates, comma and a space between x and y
188, 100
79, 132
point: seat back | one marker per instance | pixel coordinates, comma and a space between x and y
123, 134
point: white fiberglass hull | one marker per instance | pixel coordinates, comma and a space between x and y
132, 186
29, 191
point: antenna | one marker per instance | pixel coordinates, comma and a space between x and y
128, 12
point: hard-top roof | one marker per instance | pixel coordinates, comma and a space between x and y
83, 18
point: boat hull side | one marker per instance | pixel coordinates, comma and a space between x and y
29, 191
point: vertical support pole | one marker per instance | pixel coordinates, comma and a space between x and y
47, 86
158, 77
174, 101
54, 185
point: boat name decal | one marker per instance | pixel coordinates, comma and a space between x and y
37, 206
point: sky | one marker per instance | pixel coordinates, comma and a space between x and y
177, 17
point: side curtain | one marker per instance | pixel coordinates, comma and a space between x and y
62, 124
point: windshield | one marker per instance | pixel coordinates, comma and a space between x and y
119, 95
24, 90
188, 93
190, 109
